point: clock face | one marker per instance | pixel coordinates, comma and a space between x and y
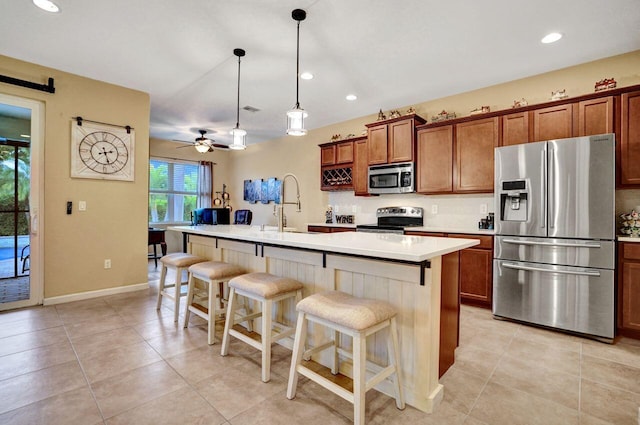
103, 152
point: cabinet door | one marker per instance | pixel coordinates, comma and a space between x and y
595, 116
630, 139
435, 160
344, 153
476, 275
474, 145
401, 141
631, 295
515, 128
377, 145
360, 168
328, 155
551, 123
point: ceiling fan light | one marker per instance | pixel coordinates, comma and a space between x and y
295, 122
47, 6
239, 139
202, 147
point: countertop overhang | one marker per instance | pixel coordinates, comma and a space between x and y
414, 249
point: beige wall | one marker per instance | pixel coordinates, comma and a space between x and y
114, 225
301, 155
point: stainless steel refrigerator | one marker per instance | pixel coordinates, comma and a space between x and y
554, 250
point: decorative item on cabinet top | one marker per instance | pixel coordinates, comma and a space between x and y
559, 94
262, 191
381, 116
442, 116
480, 110
605, 84
394, 114
630, 223
519, 103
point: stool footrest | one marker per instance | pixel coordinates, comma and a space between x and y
246, 339
326, 383
317, 349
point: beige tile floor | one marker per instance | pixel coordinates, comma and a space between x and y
116, 360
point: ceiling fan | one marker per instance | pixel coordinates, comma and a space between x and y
203, 144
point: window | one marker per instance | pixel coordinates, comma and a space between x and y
173, 190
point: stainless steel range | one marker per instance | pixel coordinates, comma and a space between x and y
394, 220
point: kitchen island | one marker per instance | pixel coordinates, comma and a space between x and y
403, 270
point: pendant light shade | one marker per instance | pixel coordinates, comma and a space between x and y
297, 115
239, 135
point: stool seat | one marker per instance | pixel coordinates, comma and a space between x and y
346, 310
203, 302
264, 285
181, 259
178, 261
214, 270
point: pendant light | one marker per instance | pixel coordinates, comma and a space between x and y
296, 116
239, 135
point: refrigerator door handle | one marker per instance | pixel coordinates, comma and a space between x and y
551, 186
543, 173
537, 269
563, 244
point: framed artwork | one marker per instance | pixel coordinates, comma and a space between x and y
100, 151
273, 188
264, 192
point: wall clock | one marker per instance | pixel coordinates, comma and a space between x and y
100, 151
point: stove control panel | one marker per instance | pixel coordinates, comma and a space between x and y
416, 212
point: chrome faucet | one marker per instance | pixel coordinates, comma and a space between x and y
281, 218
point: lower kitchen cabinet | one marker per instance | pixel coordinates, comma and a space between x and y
629, 289
329, 229
476, 271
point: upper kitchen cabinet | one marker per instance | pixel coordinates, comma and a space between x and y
435, 160
595, 116
360, 167
554, 122
392, 140
629, 155
336, 165
474, 144
515, 128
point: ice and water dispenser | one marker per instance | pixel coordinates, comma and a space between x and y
514, 199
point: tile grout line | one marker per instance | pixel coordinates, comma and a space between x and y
84, 374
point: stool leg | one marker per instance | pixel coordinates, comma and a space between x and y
178, 287
394, 358
359, 378
267, 308
336, 358
296, 358
163, 276
211, 326
229, 322
190, 291
155, 255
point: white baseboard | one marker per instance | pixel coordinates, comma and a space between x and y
94, 294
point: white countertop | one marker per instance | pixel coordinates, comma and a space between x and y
388, 246
627, 239
420, 229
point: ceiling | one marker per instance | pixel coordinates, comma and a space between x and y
390, 54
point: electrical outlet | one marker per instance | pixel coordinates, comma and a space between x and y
354, 209
434, 209
107, 263
82, 205
483, 208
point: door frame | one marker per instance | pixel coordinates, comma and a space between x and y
36, 200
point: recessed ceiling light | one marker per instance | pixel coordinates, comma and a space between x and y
26, 136
306, 76
551, 37
351, 97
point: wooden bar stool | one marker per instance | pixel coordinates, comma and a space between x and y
358, 318
178, 261
209, 300
266, 289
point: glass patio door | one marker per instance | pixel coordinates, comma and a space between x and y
20, 196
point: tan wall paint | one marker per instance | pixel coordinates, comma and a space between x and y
114, 225
301, 155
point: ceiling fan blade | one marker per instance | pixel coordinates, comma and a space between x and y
185, 146
219, 146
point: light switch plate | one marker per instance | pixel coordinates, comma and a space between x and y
434, 209
483, 208
82, 205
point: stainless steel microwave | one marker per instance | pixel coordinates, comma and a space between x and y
391, 178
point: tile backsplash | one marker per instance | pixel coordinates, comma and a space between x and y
455, 211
